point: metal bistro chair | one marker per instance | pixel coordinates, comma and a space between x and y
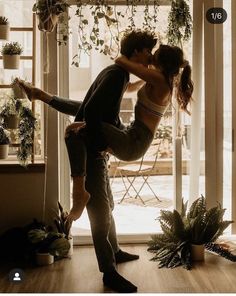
143, 168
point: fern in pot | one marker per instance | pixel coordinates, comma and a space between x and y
4, 28
11, 52
186, 232
4, 143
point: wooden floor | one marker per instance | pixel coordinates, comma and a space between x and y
81, 275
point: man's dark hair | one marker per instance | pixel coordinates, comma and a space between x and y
136, 40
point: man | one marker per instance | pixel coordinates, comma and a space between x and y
102, 103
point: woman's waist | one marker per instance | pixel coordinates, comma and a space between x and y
149, 120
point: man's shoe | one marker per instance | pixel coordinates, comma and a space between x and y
122, 257
117, 283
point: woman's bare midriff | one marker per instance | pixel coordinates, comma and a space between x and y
147, 118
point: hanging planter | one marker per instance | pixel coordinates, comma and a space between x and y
19, 92
9, 114
12, 121
11, 55
4, 28
48, 12
4, 143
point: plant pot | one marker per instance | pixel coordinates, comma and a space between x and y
12, 121
70, 252
198, 252
44, 259
11, 61
47, 23
4, 32
4, 148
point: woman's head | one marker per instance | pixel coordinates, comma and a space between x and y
170, 59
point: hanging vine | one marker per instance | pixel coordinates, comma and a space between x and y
103, 30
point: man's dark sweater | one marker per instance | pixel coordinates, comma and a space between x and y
102, 103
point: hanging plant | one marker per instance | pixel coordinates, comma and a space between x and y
11, 52
48, 12
26, 129
26, 125
179, 23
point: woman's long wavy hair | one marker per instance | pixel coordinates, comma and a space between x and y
170, 59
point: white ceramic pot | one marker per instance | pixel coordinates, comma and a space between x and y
12, 121
44, 259
4, 151
4, 32
70, 252
11, 61
198, 252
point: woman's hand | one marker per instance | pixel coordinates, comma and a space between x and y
74, 127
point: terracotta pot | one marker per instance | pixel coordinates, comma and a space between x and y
4, 32
198, 252
12, 121
11, 61
44, 259
47, 23
4, 148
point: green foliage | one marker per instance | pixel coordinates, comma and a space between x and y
48, 7
164, 132
3, 20
12, 48
108, 15
25, 129
61, 222
179, 22
180, 230
4, 138
49, 242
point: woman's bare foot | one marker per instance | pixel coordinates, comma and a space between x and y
79, 203
31, 91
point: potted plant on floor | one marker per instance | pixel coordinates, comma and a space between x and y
48, 245
4, 28
4, 143
11, 55
48, 12
63, 227
185, 232
10, 113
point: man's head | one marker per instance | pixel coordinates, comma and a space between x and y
137, 45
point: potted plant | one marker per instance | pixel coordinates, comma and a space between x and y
4, 143
182, 232
4, 28
48, 12
10, 113
47, 245
11, 52
64, 227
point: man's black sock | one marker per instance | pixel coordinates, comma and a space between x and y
122, 256
117, 283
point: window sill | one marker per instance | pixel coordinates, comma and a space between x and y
12, 166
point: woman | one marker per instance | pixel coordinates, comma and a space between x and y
153, 100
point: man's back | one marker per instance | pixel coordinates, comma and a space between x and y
102, 103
